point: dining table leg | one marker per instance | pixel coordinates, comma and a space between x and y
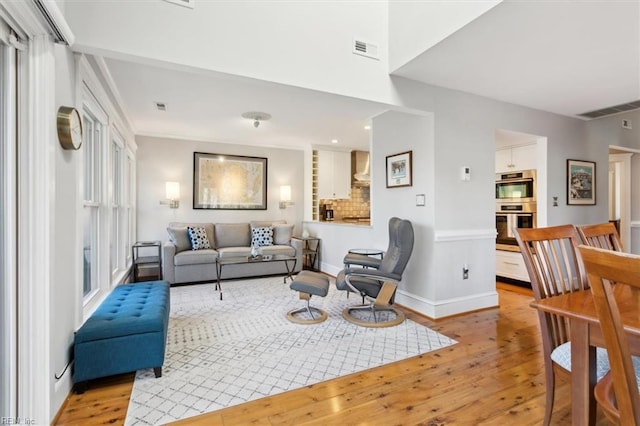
583, 375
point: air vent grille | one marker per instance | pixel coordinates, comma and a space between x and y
611, 110
365, 48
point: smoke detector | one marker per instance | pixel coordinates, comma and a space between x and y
257, 117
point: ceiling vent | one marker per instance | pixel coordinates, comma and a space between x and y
611, 110
364, 48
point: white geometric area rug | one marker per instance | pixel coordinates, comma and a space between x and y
225, 352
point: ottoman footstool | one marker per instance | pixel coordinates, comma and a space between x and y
309, 284
127, 332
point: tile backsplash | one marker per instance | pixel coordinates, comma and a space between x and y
359, 205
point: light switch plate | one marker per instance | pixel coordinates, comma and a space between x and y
465, 173
420, 200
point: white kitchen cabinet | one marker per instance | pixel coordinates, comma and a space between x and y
516, 158
510, 264
334, 170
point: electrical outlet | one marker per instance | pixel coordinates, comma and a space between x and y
465, 272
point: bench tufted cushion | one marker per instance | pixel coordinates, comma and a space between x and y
126, 333
129, 309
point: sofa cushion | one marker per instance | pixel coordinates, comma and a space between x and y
179, 236
262, 236
207, 226
263, 223
227, 252
278, 249
195, 257
282, 233
232, 235
198, 237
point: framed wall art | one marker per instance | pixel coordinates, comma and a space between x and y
229, 182
399, 170
581, 182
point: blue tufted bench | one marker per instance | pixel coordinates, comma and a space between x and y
126, 333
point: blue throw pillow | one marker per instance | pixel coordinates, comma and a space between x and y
198, 237
262, 236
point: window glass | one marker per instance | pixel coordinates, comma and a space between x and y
116, 234
92, 138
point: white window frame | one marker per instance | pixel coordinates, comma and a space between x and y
116, 198
8, 226
91, 93
97, 198
129, 205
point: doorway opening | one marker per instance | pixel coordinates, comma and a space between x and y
623, 167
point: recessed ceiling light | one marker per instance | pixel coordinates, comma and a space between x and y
367, 127
334, 140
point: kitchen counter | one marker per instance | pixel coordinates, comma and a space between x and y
360, 222
355, 219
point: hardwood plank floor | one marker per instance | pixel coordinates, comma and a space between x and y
494, 375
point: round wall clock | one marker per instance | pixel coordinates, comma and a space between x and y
69, 128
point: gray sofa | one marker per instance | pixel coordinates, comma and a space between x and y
182, 264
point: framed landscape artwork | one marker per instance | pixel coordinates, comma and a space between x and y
399, 170
581, 182
229, 182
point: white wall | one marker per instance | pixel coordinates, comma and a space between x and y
305, 44
635, 204
465, 127
65, 303
160, 160
417, 26
461, 228
393, 133
607, 131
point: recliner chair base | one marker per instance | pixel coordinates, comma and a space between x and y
398, 316
321, 315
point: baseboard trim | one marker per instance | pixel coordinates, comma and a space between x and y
447, 307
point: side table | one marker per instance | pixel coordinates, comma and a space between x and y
310, 253
147, 261
367, 252
364, 258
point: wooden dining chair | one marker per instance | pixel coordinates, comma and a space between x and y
617, 392
555, 267
602, 235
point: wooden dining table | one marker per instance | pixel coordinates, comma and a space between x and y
586, 335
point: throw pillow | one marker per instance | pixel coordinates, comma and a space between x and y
282, 234
198, 237
262, 236
180, 237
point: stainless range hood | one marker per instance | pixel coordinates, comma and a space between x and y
360, 175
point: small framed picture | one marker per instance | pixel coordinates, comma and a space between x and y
399, 170
581, 182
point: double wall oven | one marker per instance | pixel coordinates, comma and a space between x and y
515, 206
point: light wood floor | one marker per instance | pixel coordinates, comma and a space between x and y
494, 375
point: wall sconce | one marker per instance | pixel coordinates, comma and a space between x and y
285, 196
172, 194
